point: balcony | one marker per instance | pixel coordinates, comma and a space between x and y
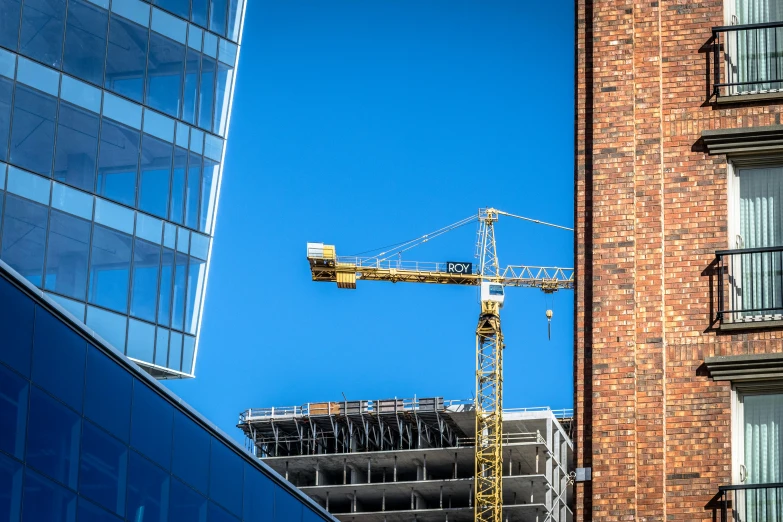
748, 287
750, 503
747, 62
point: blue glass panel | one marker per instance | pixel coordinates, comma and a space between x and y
107, 400
42, 31
234, 18
24, 237
9, 23
114, 216
118, 162
148, 491
28, 185
155, 176
6, 94
46, 501
81, 94
16, 323
122, 110
287, 507
59, 354
196, 273
85, 41
311, 516
37, 76
191, 453
222, 97
208, 193
177, 207
103, 468
53, 438
32, 133
192, 190
259, 499
66, 258
186, 504
110, 269
161, 347
141, 340
190, 96
151, 424
198, 13
165, 68
217, 16
180, 288
175, 352
226, 471
72, 201
169, 25
13, 413
89, 512
218, 514
206, 93
126, 58
77, 147
146, 263
166, 280
10, 489
110, 326
188, 351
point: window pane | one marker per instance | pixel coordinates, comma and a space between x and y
178, 7
77, 147
9, 23
42, 30
226, 470
155, 176
208, 194
192, 190
59, 355
196, 274
24, 236
118, 162
127, 58
141, 340
259, 501
103, 468
206, 92
166, 280
186, 504
188, 348
161, 347
89, 512
146, 264
16, 325
45, 500
175, 352
6, 94
85, 41
222, 94
178, 186
191, 453
110, 268
112, 327
287, 508
13, 413
217, 17
66, 258
53, 438
32, 134
218, 514
148, 491
234, 18
10, 489
107, 400
151, 424
191, 86
165, 68
199, 13
180, 284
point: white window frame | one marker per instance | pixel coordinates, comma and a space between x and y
738, 394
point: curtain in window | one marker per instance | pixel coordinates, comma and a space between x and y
763, 444
759, 290
759, 52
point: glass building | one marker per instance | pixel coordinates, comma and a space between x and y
113, 118
87, 436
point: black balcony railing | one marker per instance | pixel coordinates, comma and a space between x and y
747, 59
749, 285
751, 503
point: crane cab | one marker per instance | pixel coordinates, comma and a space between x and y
493, 293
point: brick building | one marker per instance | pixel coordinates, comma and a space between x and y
679, 252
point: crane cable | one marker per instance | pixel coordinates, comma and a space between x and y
533, 220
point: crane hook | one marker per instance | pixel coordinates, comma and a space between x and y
549, 323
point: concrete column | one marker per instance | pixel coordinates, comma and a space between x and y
395, 468
383, 501
286, 470
345, 471
412, 506
317, 473
327, 501
440, 503
424, 472
369, 470
455, 466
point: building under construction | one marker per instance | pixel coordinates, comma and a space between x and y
413, 459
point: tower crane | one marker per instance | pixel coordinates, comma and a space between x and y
492, 279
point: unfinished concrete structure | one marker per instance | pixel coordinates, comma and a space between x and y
413, 459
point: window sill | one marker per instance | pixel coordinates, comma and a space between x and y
733, 99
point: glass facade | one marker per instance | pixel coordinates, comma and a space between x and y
88, 437
113, 118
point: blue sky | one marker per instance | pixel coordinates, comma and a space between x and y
362, 124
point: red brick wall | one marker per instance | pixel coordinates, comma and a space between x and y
650, 210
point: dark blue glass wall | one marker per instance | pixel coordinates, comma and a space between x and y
85, 437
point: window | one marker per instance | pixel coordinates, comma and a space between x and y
53, 439
191, 453
166, 280
32, 134
188, 351
192, 190
10, 489
67, 255
151, 425
222, 97
104, 464
118, 162
85, 41
6, 95
127, 58
190, 96
180, 288
148, 490
165, 69
225, 486
77, 147
155, 176
234, 17
208, 195
107, 400
217, 17
178, 7
161, 347
146, 264
13, 413
110, 269
199, 12
9, 23
89, 512
196, 274
16, 328
24, 237
206, 92
287, 507
141, 340
42, 31
259, 499
45, 500
186, 504
218, 514
177, 206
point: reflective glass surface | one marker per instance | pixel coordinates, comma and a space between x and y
10, 489
103, 469
155, 176
85, 41
118, 162
110, 268
13, 412
43, 24
151, 425
107, 398
146, 262
67, 255
226, 473
53, 438
126, 58
191, 453
16, 323
6, 95
9, 23
76, 155
24, 237
32, 133
165, 70
148, 490
46, 500
186, 504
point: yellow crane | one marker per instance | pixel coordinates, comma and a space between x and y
326, 265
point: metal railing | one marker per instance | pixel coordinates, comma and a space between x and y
747, 59
751, 502
749, 285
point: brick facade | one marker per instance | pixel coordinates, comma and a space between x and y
651, 209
